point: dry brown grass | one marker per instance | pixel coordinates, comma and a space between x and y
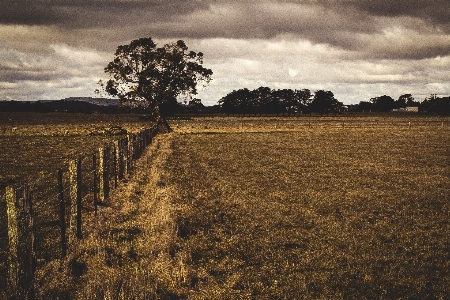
127, 250
294, 208
33, 144
285, 209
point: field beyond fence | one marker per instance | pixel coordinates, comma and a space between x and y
314, 208
41, 215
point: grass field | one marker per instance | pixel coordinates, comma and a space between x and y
32, 144
272, 208
324, 212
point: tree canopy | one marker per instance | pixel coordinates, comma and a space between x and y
141, 74
281, 101
383, 103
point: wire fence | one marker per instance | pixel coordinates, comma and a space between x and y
44, 217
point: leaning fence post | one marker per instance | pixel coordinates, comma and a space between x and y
104, 172
75, 199
21, 257
62, 215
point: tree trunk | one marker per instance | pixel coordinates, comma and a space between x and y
163, 126
161, 122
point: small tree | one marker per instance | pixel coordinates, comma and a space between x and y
383, 103
196, 105
142, 75
304, 98
324, 102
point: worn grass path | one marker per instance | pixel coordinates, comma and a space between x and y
127, 250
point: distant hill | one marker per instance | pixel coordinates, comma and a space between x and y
87, 105
96, 101
91, 105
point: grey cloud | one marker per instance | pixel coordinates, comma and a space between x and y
104, 24
89, 13
436, 10
13, 75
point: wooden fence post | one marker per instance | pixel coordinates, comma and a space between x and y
62, 213
130, 153
144, 139
150, 134
21, 257
94, 170
138, 144
75, 199
104, 160
123, 166
116, 156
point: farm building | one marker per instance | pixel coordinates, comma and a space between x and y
407, 109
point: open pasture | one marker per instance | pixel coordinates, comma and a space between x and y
33, 144
321, 208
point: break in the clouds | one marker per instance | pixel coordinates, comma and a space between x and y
52, 49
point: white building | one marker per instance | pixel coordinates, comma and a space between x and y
414, 109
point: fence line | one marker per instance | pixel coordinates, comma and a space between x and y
62, 198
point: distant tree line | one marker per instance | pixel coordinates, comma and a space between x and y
432, 104
264, 100
245, 102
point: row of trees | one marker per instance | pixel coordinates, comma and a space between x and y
432, 104
264, 100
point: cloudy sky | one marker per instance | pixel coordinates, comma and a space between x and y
358, 49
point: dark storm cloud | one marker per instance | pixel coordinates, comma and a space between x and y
437, 11
355, 15
339, 23
84, 13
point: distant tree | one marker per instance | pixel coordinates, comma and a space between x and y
245, 101
282, 101
196, 105
230, 103
365, 106
305, 98
276, 103
289, 101
405, 100
262, 96
383, 103
324, 102
143, 75
434, 104
410, 100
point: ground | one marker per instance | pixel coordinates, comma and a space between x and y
309, 208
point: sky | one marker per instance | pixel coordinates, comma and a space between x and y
358, 49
